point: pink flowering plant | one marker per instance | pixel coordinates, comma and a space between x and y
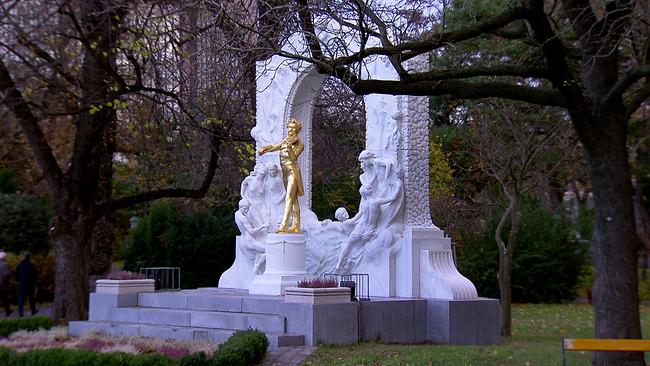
126, 275
318, 282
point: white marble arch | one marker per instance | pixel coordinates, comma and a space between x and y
300, 105
405, 254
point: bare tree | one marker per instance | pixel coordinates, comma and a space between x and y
518, 148
109, 70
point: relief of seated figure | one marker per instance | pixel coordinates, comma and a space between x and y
253, 235
367, 225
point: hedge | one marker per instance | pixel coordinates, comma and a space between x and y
9, 325
247, 347
69, 357
242, 348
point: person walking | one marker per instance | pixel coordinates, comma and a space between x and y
5, 273
26, 275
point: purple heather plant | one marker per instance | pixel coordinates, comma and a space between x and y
126, 275
317, 282
58, 337
172, 352
93, 344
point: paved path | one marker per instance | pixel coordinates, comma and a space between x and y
287, 356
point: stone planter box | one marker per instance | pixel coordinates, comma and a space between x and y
317, 296
123, 287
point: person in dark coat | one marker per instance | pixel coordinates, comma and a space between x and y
26, 275
5, 273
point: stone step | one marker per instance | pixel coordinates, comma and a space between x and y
235, 302
195, 318
78, 328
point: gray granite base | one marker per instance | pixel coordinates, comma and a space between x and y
213, 314
394, 320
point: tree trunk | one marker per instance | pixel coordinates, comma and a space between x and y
506, 251
101, 251
88, 179
642, 223
71, 247
505, 291
615, 243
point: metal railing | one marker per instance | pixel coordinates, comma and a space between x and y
166, 278
358, 282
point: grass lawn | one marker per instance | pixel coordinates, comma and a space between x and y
536, 341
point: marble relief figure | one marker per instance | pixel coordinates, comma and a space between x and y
253, 190
275, 194
343, 246
253, 234
379, 213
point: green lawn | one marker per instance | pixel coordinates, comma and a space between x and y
536, 341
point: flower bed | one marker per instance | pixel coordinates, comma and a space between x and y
58, 337
56, 347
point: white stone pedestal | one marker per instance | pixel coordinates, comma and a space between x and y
424, 267
285, 264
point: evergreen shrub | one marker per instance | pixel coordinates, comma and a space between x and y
24, 222
195, 359
202, 244
547, 263
247, 347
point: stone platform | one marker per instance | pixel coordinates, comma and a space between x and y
213, 314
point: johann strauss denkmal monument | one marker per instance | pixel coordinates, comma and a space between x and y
416, 293
392, 238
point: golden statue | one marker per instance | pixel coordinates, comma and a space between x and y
290, 149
